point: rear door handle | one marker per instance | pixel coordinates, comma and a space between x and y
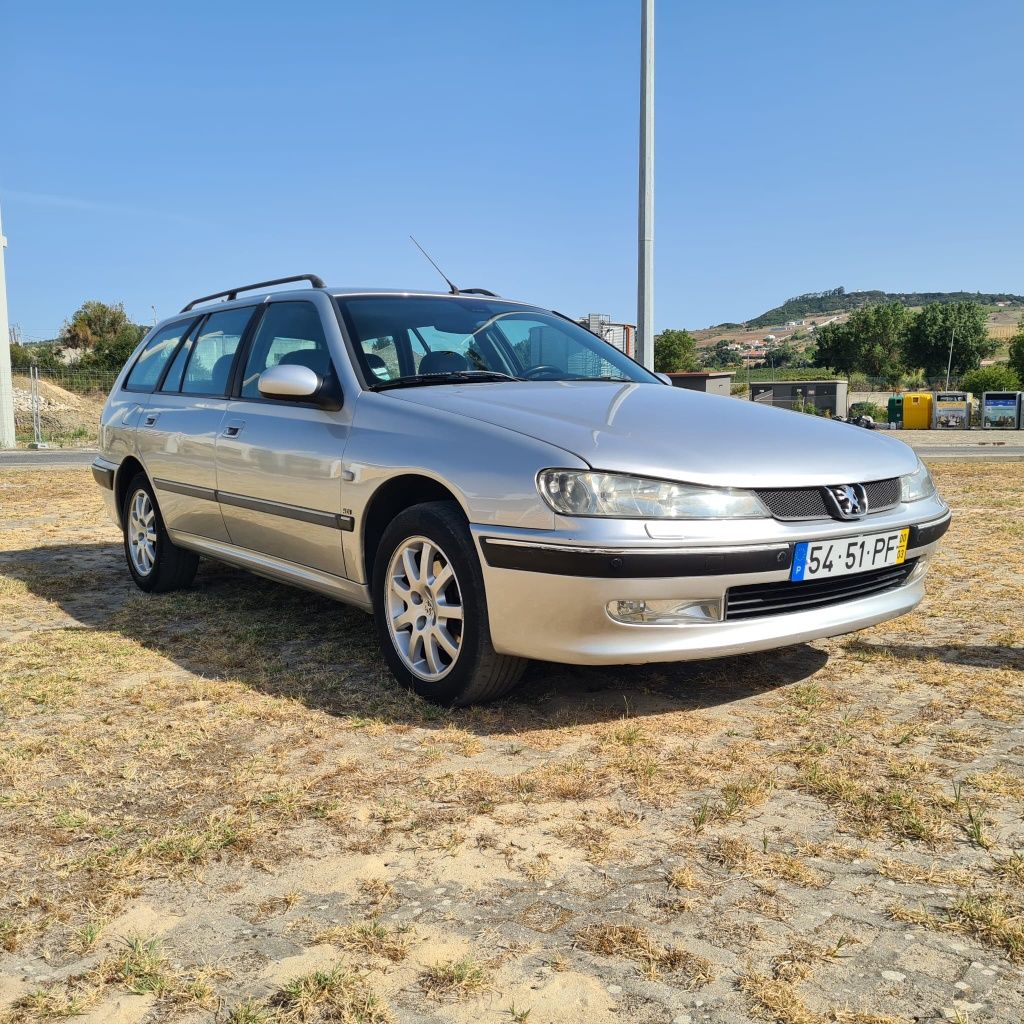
234, 428
150, 419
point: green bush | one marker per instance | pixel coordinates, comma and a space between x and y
990, 378
872, 409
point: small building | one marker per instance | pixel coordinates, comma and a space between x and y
712, 382
831, 396
622, 336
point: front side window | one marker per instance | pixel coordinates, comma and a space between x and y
213, 352
290, 333
465, 338
150, 364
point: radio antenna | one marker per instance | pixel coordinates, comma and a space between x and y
448, 280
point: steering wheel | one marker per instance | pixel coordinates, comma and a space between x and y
545, 371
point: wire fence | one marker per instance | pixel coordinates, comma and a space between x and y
857, 381
59, 406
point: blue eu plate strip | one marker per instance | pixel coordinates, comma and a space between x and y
799, 561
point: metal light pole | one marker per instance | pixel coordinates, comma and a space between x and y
949, 363
6, 383
645, 219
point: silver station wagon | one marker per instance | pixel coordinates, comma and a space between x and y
494, 484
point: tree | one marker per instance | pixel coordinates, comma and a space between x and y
1017, 352
928, 340
102, 333
870, 341
720, 354
990, 378
675, 352
784, 355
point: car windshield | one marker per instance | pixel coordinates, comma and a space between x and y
408, 340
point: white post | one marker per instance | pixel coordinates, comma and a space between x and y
645, 226
949, 363
6, 383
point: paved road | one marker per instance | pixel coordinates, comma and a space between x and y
1003, 453
48, 458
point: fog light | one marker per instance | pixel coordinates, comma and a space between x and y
667, 612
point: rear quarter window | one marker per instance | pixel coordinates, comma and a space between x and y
144, 375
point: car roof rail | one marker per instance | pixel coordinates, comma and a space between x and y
232, 293
477, 291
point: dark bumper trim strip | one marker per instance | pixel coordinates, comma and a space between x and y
928, 533
103, 475
192, 490
332, 520
639, 565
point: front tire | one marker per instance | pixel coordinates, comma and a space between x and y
157, 565
431, 609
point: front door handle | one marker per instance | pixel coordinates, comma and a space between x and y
234, 428
150, 419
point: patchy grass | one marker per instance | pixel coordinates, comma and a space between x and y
334, 995
652, 958
232, 769
372, 938
456, 979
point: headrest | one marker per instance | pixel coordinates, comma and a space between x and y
443, 362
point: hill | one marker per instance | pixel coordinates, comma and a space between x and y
840, 300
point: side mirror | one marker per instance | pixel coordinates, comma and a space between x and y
296, 383
664, 378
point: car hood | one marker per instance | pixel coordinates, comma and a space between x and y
668, 432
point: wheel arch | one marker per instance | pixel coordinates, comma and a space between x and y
130, 467
392, 497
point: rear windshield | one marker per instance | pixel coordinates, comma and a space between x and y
407, 337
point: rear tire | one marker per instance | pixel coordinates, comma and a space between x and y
157, 565
431, 609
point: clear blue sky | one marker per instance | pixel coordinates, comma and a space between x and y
151, 153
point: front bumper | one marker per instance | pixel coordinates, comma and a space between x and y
547, 596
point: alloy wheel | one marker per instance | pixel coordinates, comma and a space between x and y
142, 532
424, 608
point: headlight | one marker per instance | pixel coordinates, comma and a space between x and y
917, 485
617, 496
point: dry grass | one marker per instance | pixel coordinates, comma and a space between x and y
653, 959
371, 938
456, 979
147, 759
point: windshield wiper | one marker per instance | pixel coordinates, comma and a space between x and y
416, 380
620, 380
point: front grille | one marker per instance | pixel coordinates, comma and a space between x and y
797, 503
759, 599
883, 494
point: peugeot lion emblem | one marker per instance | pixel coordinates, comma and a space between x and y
850, 500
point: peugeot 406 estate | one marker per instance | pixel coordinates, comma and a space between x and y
493, 483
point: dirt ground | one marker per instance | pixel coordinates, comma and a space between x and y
216, 806
66, 419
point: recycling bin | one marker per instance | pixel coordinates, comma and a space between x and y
951, 410
917, 410
895, 410
1001, 410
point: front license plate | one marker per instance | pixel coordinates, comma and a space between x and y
817, 559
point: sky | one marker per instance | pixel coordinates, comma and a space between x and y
150, 153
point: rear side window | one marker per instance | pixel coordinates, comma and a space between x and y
290, 333
155, 356
213, 352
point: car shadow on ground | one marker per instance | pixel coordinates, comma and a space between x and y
290, 643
